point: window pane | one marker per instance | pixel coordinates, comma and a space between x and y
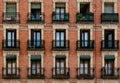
109, 8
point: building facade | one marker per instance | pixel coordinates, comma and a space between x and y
59, 41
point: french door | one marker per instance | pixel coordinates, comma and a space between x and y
60, 11
60, 67
109, 67
35, 67
84, 67
60, 39
11, 67
11, 38
85, 38
36, 38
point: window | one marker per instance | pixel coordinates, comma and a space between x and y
36, 38
109, 7
60, 66
109, 38
36, 11
11, 11
109, 65
84, 65
11, 65
84, 8
35, 65
60, 11
60, 38
11, 38
85, 38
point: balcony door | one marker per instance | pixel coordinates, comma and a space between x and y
85, 38
36, 38
60, 38
11, 11
84, 67
109, 67
60, 11
109, 38
108, 7
60, 66
11, 67
35, 67
11, 38
36, 11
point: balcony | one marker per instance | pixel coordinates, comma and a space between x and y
11, 17
110, 73
85, 18
60, 73
83, 45
35, 45
60, 45
85, 73
11, 73
36, 73
60, 18
110, 45
11, 45
35, 18
110, 18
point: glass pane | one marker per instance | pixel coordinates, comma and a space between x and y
86, 68
62, 67
11, 7
81, 68
109, 8
33, 68
62, 13
57, 39
57, 14
35, 6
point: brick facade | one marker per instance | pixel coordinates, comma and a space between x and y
48, 36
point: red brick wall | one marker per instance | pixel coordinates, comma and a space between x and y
48, 37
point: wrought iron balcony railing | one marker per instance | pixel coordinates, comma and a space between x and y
110, 18
60, 17
110, 73
11, 45
85, 17
61, 73
36, 73
35, 45
110, 45
60, 45
10, 73
35, 17
85, 45
11, 17
85, 73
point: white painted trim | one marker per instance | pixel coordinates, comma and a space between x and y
60, 81
30, 53
35, 26
85, 81
55, 53
109, 53
10, 27
5, 53
107, 27
55, 27
85, 53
